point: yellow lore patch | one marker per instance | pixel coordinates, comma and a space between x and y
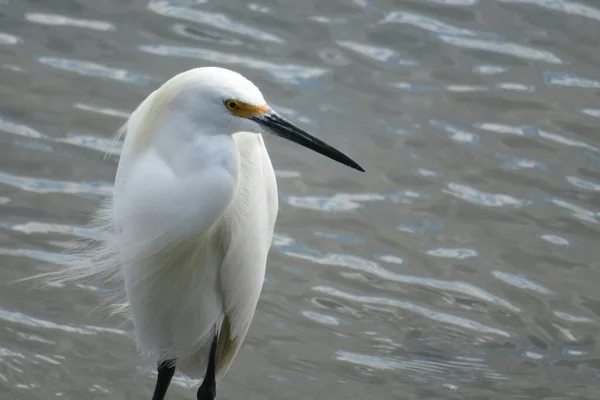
244, 110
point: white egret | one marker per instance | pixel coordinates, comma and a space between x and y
191, 220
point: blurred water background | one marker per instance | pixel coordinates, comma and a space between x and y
462, 265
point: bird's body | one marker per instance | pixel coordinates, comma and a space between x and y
191, 220
216, 269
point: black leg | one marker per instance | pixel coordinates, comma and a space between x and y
166, 370
208, 389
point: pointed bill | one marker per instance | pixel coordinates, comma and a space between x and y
277, 125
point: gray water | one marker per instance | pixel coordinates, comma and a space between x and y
462, 265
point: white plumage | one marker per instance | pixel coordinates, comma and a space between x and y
191, 219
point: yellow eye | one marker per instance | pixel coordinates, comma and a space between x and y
232, 105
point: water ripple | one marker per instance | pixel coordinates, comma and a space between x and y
438, 316
533, 355
39, 255
488, 69
516, 87
286, 174
47, 359
566, 79
62, 20
457, 134
214, 20
192, 32
573, 352
23, 319
514, 163
423, 370
390, 259
6, 125
532, 131
466, 88
375, 362
260, 8
584, 184
507, 48
35, 338
426, 226
6, 38
348, 202
101, 144
428, 24
4, 353
34, 227
521, 282
554, 239
577, 211
327, 20
321, 318
501, 128
426, 173
572, 318
88, 68
473, 195
413, 87
340, 237
592, 112
568, 7
376, 53
288, 73
290, 248
39, 185
281, 240
336, 203
455, 2
459, 254
469, 39
102, 110
554, 137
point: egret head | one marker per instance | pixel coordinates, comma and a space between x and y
231, 103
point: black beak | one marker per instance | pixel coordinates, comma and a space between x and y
280, 126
